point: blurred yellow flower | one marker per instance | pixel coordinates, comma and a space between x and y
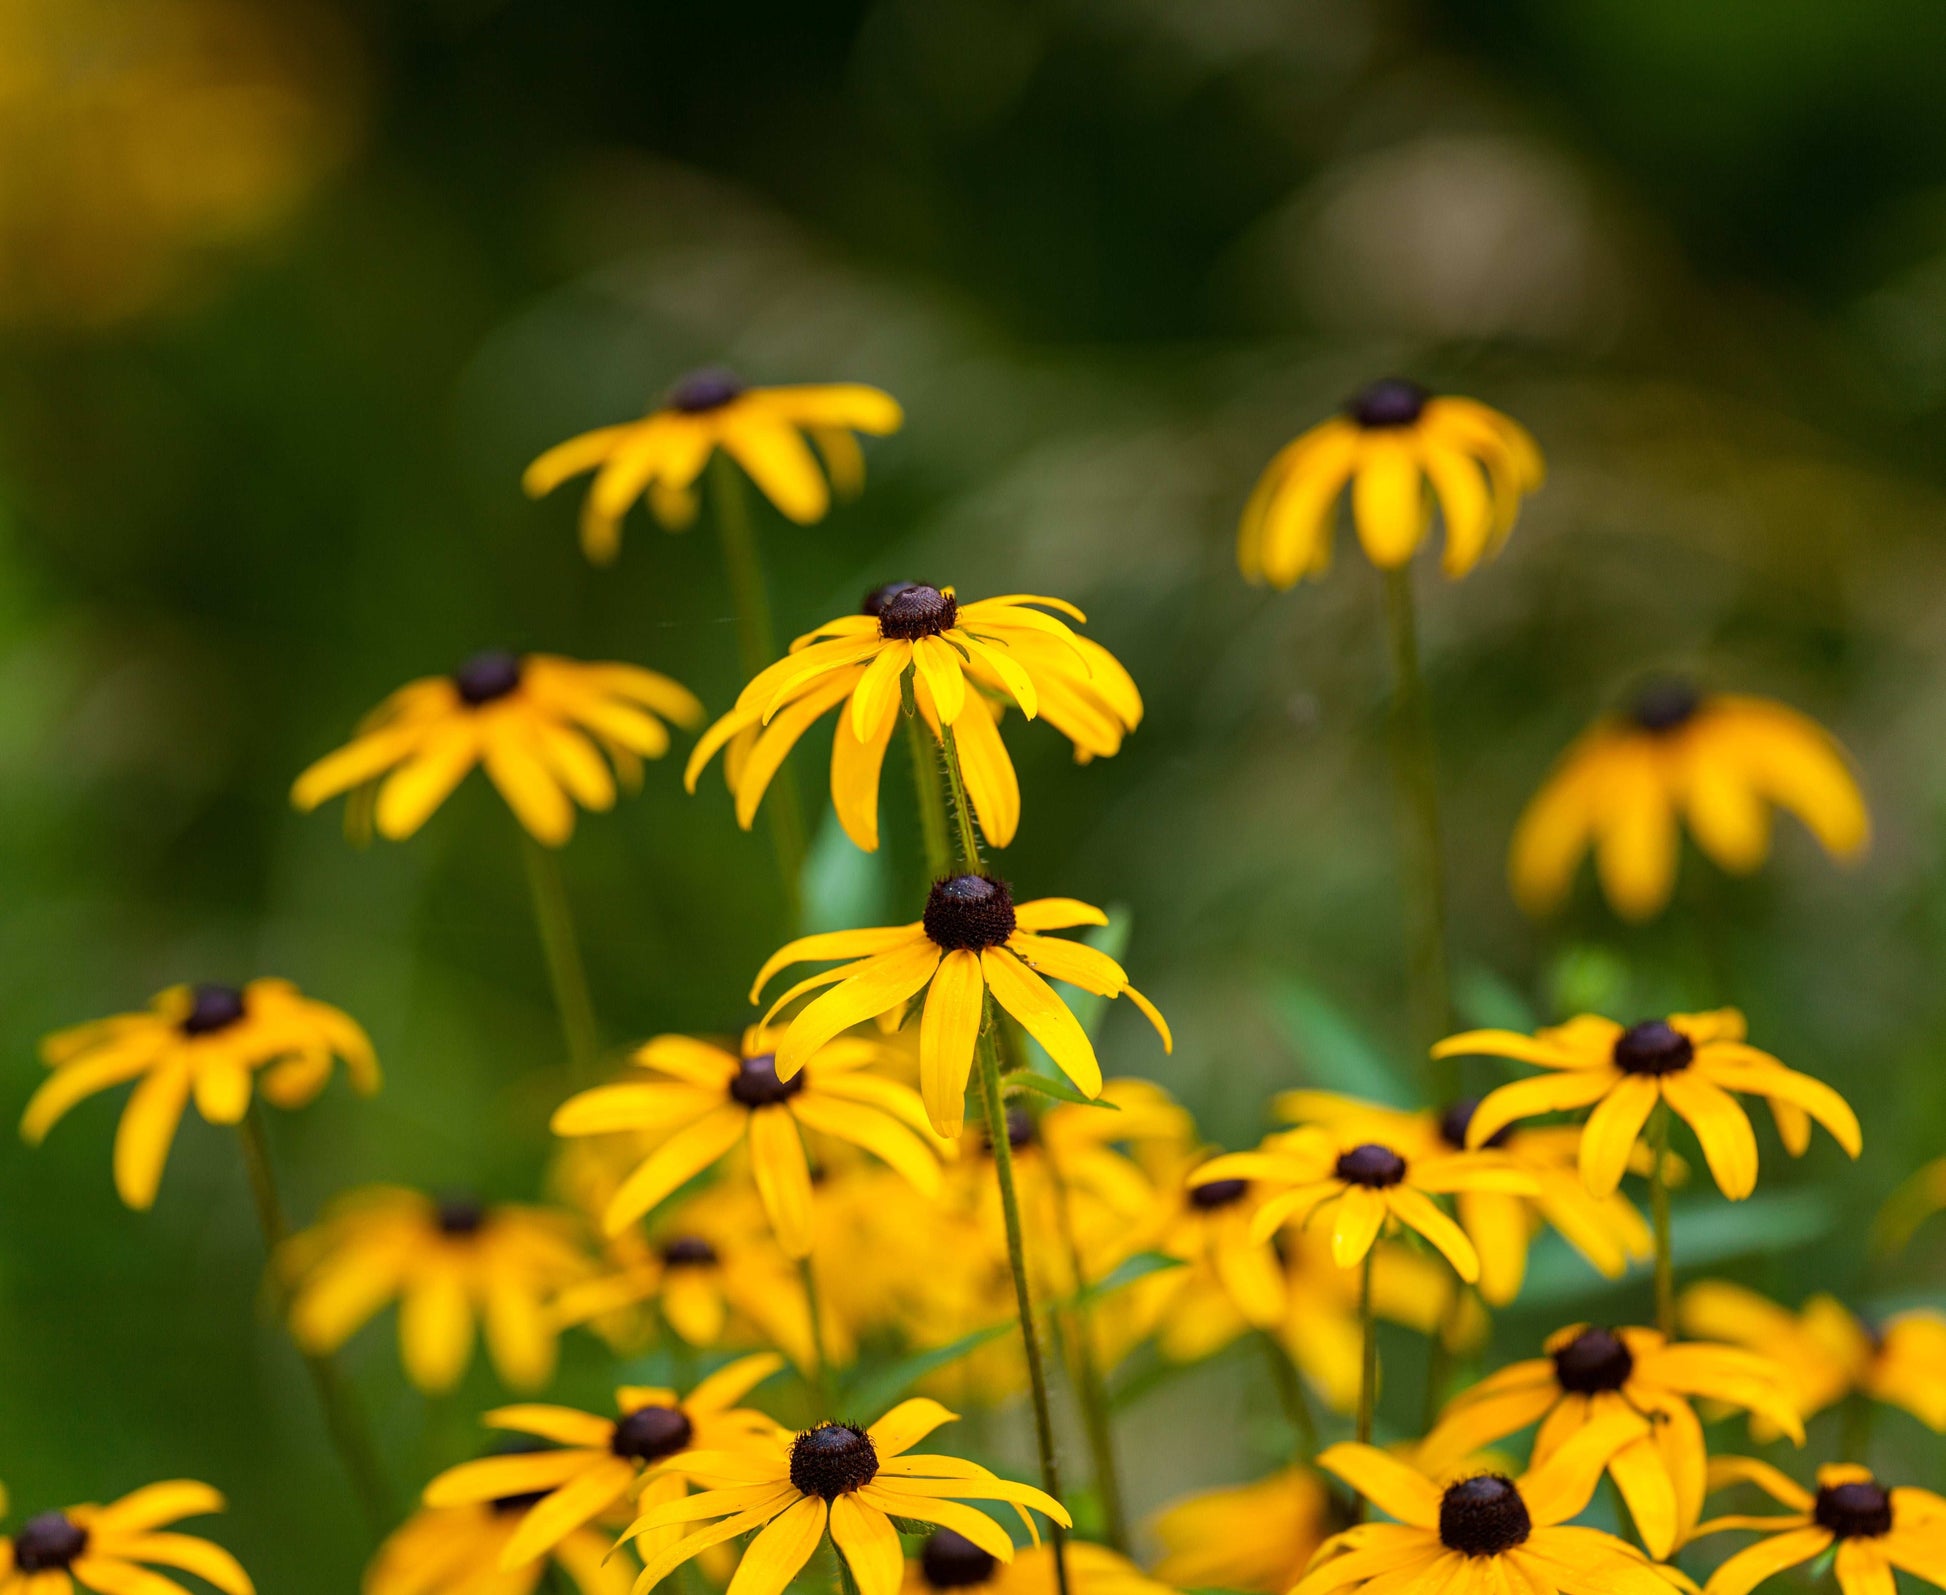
966, 661
762, 429
456, 1550
1718, 761
1393, 439
116, 1549
972, 940
1874, 1528
1258, 1537
1231, 1279
951, 1564
538, 723
446, 1262
1589, 1377
206, 1041
1692, 1062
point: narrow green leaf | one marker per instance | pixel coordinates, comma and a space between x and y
1333, 1050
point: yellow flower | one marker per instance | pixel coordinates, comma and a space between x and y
762, 429
206, 1041
538, 723
1231, 1279
836, 1475
966, 660
446, 1262
596, 1462
115, 1549
1827, 1351
1393, 438
951, 1564
972, 940
1485, 1534
708, 1101
1692, 1062
1592, 1376
1365, 1185
1718, 761
1258, 1537
456, 1550
1875, 1529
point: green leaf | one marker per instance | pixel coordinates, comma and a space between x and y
1125, 1273
1334, 1051
1485, 1000
1048, 1086
880, 1389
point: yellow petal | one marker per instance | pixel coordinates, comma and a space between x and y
1044, 1017
783, 1177
949, 1027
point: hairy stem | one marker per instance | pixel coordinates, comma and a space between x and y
566, 973
926, 785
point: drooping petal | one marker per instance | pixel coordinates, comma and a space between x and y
1608, 1137
949, 1028
1043, 1016
1389, 1484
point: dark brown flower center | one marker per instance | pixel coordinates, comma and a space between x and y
688, 1251
1595, 1359
1665, 704
1212, 1194
832, 1459
1371, 1165
460, 1214
911, 610
879, 597
1388, 402
1458, 1119
212, 1008
1020, 1129
48, 1542
1856, 1511
649, 1434
486, 676
1652, 1047
756, 1084
952, 1561
1483, 1516
969, 913
708, 389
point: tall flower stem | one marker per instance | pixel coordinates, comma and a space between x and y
1290, 1395
925, 780
562, 949
1368, 1352
1665, 1262
1421, 855
344, 1419
821, 1374
757, 647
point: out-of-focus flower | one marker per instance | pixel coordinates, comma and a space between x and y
1258, 1537
1921, 1196
762, 429
951, 1564
447, 1262
1393, 438
1692, 1062
538, 723
1828, 1351
966, 661
206, 1041
1231, 1279
1716, 760
118, 1547
973, 939
1875, 1529
456, 1550
1591, 1376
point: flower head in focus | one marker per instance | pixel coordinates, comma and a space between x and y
457, 1550
538, 724
763, 429
951, 1564
1719, 762
1874, 1528
1258, 1537
116, 1549
206, 1041
1392, 440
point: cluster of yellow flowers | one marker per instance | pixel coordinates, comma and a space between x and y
812, 1193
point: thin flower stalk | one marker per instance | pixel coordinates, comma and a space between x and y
566, 971
1368, 1351
1665, 1262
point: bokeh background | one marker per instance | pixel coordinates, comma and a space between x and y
289, 294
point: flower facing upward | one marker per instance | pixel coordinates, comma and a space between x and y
1258, 1537
973, 939
1486, 1534
966, 660
762, 429
115, 1549
706, 1100
951, 1564
597, 1461
1692, 1062
206, 1041
446, 1261
1393, 438
1591, 1376
1875, 1529
853, 1481
539, 725
456, 1550
1720, 762
1365, 1185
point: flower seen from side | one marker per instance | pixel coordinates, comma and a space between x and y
118, 1549
1874, 1528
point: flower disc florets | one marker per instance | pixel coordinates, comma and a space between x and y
914, 610
649, 1434
952, 1561
1665, 704
1594, 1360
832, 1459
1217, 1193
1483, 1516
708, 389
461, 1215
688, 1251
1854, 1511
969, 913
487, 676
1371, 1165
756, 1085
212, 1008
1389, 402
879, 597
48, 1542
1458, 1119
1653, 1047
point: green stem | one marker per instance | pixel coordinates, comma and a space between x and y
1665, 1262
969, 835
1090, 1387
925, 785
562, 949
847, 1583
1857, 1433
821, 1373
344, 1419
1368, 1352
756, 648
1290, 1395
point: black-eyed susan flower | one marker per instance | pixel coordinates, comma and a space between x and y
1875, 1528
116, 1549
1718, 762
839, 1477
206, 1041
1484, 1534
1592, 1376
1326, 1174
763, 429
705, 1101
1231, 1279
973, 939
966, 660
1258, 1537
538, 724
1392, 440
456, 1550
596, 1462
951, 1564
448, 1262
1827, 1351
1692, 1062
